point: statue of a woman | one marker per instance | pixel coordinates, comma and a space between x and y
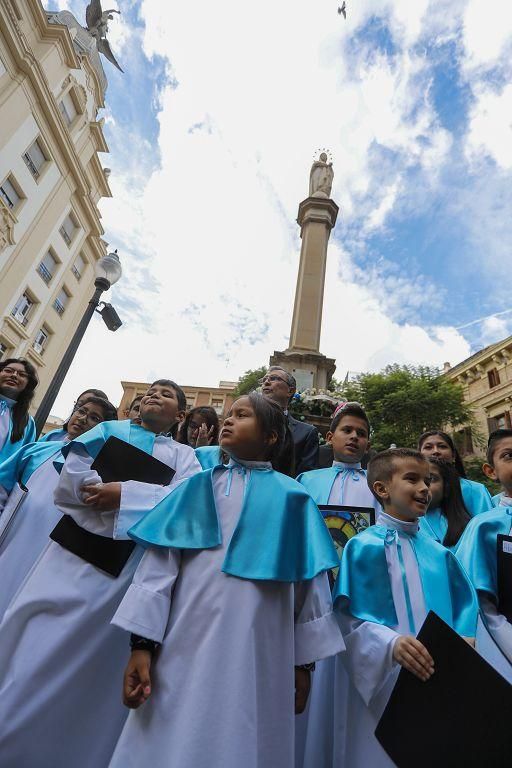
320, 178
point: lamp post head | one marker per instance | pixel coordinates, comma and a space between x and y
108, 270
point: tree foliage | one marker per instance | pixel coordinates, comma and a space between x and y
248, 382
404, 401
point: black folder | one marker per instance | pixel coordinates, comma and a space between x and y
460, 718
504, 567
118, 461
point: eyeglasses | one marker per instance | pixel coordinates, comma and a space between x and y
90, 418
272, 377
14, 371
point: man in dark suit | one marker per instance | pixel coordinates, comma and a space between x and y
280, 386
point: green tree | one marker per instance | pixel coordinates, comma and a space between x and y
404, 401
249, 381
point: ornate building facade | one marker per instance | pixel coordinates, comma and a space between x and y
52, 85
486, 378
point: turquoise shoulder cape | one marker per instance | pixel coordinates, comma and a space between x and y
22, 464
476, 496
496, 499
209, 456
319, 482
280, 535
434, 524
29, 435
363, 587
94, 440
53, 434
477, 549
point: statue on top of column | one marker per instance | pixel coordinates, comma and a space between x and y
320, 178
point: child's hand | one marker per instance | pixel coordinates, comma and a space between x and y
103, 496
137, 682
413, 655
204, 435
302, 688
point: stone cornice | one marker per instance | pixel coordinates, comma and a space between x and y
56, 32
97, 134
99, 174
26, 61
319, 209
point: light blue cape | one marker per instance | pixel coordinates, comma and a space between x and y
53, 434
280, 535
319, 482
477, 548
209, 456
94, 440
476, 496
29, 435
363, 586
22, 464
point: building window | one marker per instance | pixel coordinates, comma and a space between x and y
35, 158
23, 309
494, 377
465, 441
2, 68
218, 404
10, 194
191, 401
41, 340
79, 266
47, 267
68, 109
3, 350
68, 228
61, 301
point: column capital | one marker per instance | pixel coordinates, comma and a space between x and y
320, 209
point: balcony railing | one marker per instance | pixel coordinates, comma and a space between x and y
59, 307
31, 166
65, 235
45, 273
76, 273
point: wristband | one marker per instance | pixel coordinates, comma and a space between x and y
138, 643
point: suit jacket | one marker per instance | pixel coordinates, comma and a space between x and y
305, 442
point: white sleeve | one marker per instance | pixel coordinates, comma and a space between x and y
145, 608
369, 655
76, 471
317, 632
137, 498
498, 626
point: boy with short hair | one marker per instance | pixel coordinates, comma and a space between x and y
320, 731
391, 576
345, 482
477, 551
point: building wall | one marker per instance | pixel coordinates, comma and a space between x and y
220, 398
40, 68
486, 378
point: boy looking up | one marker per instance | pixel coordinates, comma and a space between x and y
391, 576
477, 550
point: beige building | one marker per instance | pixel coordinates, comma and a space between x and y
220, 398
52, 85
486, 378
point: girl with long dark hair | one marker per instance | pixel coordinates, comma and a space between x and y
232, 590
60, 433
18, 381
447, 516
440, 445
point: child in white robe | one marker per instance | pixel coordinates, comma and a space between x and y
62, 660
321, 730
18, 381
60, 433
233, 592
390, 576
477, 551
28, 479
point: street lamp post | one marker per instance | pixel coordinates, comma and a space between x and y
108, 271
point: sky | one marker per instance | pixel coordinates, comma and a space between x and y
212, 129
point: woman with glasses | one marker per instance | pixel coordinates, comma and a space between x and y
27, 482
18, 380
60, 434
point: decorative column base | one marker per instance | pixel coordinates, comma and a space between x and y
312, 370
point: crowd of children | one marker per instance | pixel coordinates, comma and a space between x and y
212, 619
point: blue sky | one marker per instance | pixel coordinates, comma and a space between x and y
212, 129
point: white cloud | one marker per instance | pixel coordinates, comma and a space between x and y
213, 223
487, 31
490, 130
